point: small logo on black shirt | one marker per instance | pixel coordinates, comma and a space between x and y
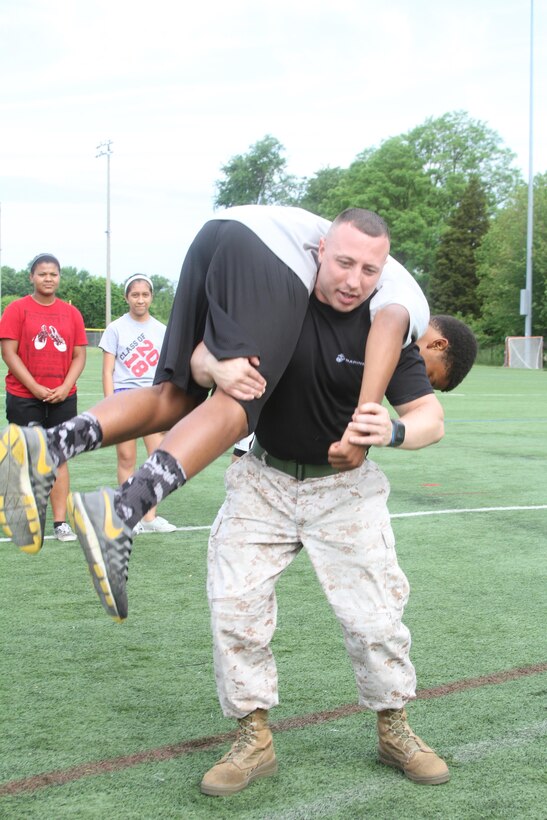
341, 359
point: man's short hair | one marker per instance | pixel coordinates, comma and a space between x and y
461, 351
44, 257
365, 221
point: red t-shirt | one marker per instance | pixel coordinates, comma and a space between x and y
47, 335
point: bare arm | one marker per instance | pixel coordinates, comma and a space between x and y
239, 378
109, 360
10, 355
382, 353
423, 419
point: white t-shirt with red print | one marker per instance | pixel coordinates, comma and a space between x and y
136, 347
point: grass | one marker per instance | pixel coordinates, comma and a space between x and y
470, 518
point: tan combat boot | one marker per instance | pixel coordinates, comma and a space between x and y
398, 746
251, 756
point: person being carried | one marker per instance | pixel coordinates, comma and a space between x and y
131, 349
243, 291
43, 343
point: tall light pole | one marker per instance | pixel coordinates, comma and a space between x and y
104, 150
530, 218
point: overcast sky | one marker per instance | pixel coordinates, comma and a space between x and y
180, 88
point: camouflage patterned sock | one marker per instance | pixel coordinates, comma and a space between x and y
160, 474
70, 438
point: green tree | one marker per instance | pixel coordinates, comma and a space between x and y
317, 190
88, 294
257, 177
391, 181
14, 284
502, 266
453, 283
453, 148
164, 293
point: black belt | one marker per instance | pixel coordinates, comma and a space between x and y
292, 468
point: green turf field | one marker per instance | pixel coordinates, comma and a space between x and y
121, 720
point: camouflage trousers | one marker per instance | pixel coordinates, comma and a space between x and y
343, 523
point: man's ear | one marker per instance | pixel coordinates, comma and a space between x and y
440, 343
321, 249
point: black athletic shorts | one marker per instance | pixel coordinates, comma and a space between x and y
21, 410
239, 298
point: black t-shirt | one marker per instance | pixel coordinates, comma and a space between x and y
315, 398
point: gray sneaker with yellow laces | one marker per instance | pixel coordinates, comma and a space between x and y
27, 474
106, 541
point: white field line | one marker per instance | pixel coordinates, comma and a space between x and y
483, 748
468, 510
463, 510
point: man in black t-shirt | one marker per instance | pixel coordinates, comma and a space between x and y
285, 496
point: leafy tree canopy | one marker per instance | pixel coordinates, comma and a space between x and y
502, 266
257, 177
454, 147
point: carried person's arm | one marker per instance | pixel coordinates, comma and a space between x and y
382, 352
399, 313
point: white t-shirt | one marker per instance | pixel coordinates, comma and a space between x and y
136, 346
293, 234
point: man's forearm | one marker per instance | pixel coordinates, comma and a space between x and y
423, 426
423, 421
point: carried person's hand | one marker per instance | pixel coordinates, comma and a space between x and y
370, 426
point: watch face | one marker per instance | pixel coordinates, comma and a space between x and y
398, 433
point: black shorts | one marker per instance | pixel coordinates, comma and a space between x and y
21, 410
239, 298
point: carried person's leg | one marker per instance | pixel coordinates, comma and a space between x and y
151, 521
255, 307
239, 298
28, 460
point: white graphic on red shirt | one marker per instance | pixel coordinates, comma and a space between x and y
40, 340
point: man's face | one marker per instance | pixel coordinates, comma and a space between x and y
45, 279
435, 364
350, 265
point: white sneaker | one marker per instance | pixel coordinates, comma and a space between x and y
158, 524
138, 529
64, 533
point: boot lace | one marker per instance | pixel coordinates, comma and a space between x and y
245, 736
399, 727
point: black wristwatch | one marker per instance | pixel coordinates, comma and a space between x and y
397, 433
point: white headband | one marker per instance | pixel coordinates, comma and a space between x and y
135, 278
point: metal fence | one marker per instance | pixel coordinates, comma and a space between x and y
94, 336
